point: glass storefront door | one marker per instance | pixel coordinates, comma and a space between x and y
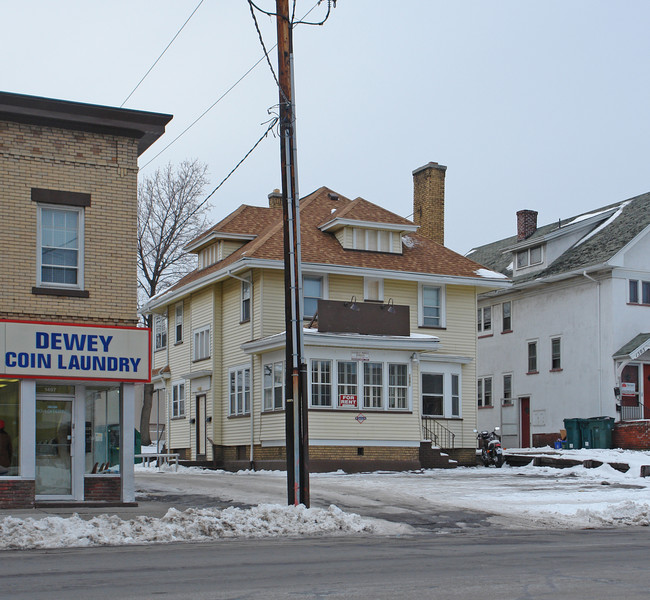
54, 454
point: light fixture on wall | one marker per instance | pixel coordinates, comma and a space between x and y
415, 357
352, 305
389, 306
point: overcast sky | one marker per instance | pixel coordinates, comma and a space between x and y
530, 104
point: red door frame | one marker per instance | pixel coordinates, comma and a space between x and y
524, 421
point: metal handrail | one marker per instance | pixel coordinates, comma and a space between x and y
439, 435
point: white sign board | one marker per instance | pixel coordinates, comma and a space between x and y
64, 351
628, 388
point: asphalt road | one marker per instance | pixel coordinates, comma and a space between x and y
478, 565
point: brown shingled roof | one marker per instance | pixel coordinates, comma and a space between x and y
420, 254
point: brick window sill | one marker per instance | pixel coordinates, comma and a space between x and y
506, 331
556, 370
532, 373
485, 335
483, 407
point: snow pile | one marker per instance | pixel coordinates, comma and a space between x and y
194, 525
490, 274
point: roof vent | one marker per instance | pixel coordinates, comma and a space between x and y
333, 196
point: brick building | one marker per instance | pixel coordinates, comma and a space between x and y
70, 349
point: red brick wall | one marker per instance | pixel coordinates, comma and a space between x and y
102, 488
633, 435
16, 493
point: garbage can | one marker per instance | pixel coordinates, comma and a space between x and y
573, 433
598, 431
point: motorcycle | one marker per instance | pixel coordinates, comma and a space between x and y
490, 446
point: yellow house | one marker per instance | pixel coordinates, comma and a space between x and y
389, 336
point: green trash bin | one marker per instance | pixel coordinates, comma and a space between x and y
573, 433
598, 432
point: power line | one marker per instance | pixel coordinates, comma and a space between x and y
161, 55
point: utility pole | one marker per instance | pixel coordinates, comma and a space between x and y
297, 434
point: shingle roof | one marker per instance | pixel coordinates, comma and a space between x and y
420, 255
597, 245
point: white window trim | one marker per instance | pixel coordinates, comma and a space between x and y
446, 370
324, 289
175, 405
551, 340
366, 285
273, 408
158, 321
198, 342
507, 400
80, 250
480, 324
482, 380
443, 305
528, 343
178, 321
335, 393
528, 261
242, 317
245, 412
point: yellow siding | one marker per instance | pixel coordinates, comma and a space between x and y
404, 293
216, 397
227, 248
342, 287
271, 296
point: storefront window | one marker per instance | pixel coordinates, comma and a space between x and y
9, 427
102, 430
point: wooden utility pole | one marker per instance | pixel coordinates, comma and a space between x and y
297, 435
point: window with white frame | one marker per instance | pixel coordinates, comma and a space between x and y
202, 343
529, 257
484, 391
321, 383
373, 289
312, 291
239, 391
398, 380
455, 395
160, 332
431, 300
639, 292
178, 322
433, 397
178, 399
556, 354
507, 387
506, 316
374, 240
373, 384
273, 386
60, 246
245, 301
532, 357
484, 319
347, 382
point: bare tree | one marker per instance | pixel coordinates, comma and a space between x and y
171, 212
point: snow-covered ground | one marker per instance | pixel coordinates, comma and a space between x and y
512, 497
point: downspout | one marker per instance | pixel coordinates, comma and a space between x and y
600, 344
250, 282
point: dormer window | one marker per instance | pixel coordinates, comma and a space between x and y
374, 240
210, 255
529, 257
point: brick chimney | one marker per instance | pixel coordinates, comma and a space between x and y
526, 224
429, 201
275, 199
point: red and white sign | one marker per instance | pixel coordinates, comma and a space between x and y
628, 389
348, 400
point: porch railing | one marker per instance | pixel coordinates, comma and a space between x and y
439, 435
632, 413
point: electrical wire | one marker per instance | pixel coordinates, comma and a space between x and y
161, 55
266, 53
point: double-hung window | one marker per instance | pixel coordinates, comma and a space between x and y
347, 383
532, 357
529, 257
60, 247
506, 314
398, 379
433, 399
556, 354
321, 383
312, 291
160, 332
639, 292
507, 387
202, 343
484, 391
245, 301
240, 391
178, 313
431, 306
273, 386
178, 399
373, 385
484, 319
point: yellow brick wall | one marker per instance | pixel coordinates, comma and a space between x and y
101, 165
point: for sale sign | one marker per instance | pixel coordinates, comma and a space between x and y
348, 400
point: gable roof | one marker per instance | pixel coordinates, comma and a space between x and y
420, 254
617, 226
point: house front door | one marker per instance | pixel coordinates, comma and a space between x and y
524, 411
646, 391
200, 427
